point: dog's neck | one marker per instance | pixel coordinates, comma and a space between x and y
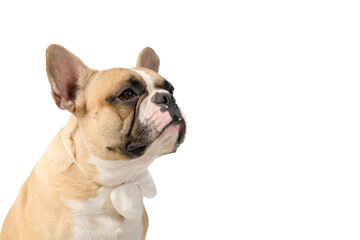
77, 151
58, 175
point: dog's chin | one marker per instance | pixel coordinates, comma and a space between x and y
168, 140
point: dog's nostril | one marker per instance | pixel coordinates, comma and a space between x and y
164, 98
136, 149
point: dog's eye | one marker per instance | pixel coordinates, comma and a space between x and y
171, 90
127, 95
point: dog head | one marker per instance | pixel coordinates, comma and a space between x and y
122, 114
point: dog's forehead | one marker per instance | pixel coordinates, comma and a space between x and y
148, 78
152, 79
107, 82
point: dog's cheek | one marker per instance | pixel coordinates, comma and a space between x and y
102, 130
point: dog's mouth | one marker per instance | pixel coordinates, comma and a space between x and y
182, 129
137, 149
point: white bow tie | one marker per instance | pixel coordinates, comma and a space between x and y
127, 198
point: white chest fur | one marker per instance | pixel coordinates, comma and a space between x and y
116, 213
96, 219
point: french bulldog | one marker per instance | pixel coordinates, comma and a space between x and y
90, 182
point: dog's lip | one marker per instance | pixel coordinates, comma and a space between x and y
182, 129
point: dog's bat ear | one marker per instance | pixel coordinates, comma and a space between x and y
148, 59
65, 72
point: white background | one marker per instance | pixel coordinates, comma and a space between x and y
271, 90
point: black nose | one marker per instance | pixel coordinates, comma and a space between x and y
164, 98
